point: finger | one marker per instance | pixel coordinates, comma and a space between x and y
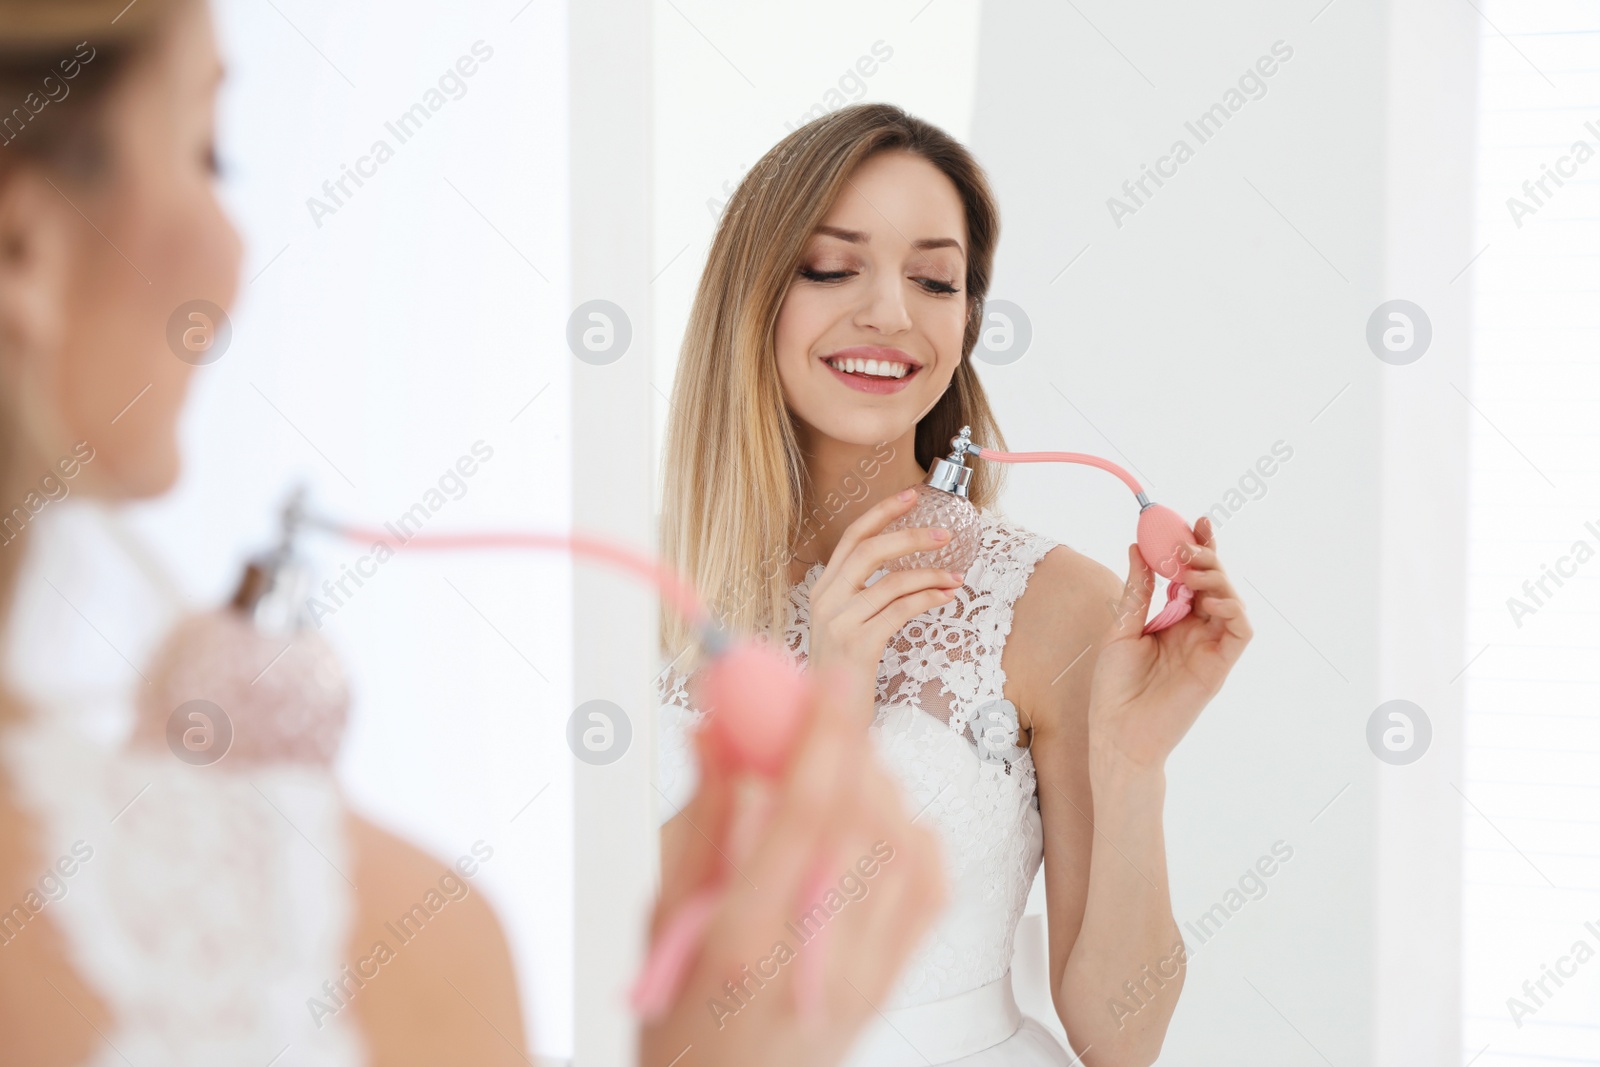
1134, 603
910, 898
1212, 581
691, 840
1218, 607
874, 553
873, 520
894, 615
806, 797
868, 601
1230, 611
906, 897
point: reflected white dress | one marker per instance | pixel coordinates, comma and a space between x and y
946, 731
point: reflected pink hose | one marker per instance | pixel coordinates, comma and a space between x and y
679, 592
739, 672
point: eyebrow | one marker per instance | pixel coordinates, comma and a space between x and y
859, 238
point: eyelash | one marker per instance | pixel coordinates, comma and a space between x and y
933, 285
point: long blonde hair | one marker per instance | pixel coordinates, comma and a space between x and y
735, 479
36, 37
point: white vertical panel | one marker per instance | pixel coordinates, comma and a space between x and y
1532, 865
613, 616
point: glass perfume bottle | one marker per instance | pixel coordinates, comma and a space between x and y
942, 502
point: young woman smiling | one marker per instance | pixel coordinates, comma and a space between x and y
1021, 708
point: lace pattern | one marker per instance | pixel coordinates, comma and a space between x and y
945, 728
265, 913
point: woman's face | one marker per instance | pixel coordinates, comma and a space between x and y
870, 330
136, 242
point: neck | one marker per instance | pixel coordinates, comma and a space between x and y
846, 480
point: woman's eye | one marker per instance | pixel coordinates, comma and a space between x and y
934, 285
823, 275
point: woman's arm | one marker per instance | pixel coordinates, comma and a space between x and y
1110, 916
1142, 696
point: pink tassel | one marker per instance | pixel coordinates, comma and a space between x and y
668, 963
1180, 598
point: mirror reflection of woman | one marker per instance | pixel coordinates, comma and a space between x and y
825, 366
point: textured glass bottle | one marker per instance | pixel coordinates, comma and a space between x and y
942, 502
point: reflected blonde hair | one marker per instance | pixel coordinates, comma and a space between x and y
734, 477
35, 37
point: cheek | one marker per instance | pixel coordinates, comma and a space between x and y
176, 246
798, 329
800, 326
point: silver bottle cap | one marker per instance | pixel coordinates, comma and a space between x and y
952, 473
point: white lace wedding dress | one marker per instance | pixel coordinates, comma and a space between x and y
945, 729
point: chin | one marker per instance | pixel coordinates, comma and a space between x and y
867, 430
124, 477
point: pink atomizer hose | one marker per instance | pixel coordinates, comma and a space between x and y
1164, 538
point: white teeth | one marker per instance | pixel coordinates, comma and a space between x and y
881, 368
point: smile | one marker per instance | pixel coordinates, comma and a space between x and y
872, 369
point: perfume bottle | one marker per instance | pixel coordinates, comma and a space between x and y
942, 502
252, 681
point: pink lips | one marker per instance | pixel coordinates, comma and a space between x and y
880, 386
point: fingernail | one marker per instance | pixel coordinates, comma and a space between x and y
941, 535
907, 494
958, 576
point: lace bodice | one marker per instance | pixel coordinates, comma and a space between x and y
945, 729
206, 906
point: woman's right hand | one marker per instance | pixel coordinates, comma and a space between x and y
851, 622
836, 812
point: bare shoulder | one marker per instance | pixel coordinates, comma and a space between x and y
433, 954
1065, 611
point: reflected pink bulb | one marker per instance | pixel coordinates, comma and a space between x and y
937, 507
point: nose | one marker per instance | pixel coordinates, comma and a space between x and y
884, 305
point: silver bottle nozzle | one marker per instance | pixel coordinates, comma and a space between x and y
952, 474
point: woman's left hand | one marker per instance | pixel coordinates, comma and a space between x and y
1148, 689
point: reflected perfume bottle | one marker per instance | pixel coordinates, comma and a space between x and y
942, 502
252, 681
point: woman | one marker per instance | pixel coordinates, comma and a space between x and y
208, 946
824, 369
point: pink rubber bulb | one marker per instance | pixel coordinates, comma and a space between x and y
755, 703
1164, 539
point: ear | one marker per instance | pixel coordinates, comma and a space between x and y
36, 242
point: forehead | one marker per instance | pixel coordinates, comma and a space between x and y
898, 197
182, 57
